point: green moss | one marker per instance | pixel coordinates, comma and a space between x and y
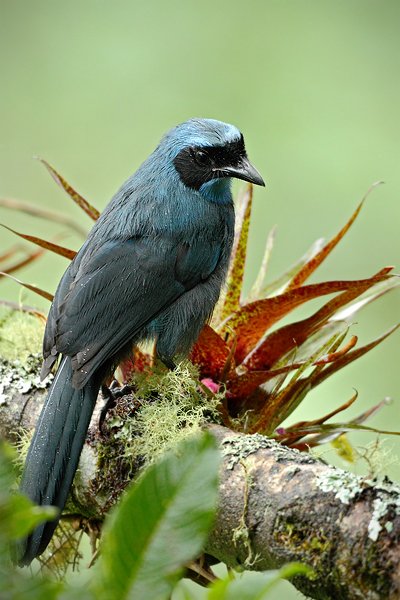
313, 545
21, 335
172, 408
166, 407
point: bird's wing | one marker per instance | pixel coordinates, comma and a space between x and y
116, 292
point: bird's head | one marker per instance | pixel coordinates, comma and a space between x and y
207, 154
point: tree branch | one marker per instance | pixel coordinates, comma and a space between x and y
275, 505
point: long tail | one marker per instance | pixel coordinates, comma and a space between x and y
54, 452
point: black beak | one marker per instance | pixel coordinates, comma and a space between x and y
245, 170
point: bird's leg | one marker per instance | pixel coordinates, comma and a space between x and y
111, 394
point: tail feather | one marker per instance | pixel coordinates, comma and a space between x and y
54, 452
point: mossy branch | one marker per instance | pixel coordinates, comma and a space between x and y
276, 505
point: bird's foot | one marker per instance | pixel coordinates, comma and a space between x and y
111, 395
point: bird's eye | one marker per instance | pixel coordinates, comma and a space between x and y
202, 158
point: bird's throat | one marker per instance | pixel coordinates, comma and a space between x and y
217, 190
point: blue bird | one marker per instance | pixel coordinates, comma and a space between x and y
151, 268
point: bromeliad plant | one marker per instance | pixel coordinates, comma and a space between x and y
264, 371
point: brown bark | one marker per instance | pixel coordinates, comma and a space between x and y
276, 505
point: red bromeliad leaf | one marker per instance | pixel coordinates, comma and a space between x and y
314, 263
252, 321
22, 263
331, 431
28, 286
272, 347
66, 252
342, 361
281, 405
76, 197
230, 300
241, 387
291, 434
210, 353
373, 294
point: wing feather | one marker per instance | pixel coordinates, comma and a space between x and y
109, 297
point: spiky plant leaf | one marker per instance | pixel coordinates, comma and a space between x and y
66, 252
90, 210
275, 345
28, 286
349, 357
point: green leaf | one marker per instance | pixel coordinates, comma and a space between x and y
161, 523
20, 516
254, 586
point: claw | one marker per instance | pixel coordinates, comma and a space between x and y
111, 394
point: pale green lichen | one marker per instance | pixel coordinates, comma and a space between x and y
387, 500
20, 377
236, 448
21, 335
345, 485
172, 408
20, 351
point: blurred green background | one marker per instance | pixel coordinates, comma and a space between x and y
314, 85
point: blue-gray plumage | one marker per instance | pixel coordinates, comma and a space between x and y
152, 267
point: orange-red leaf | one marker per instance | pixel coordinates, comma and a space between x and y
76, 197
210, 353
230, 301
278, 343
279, 285
32, 288
251, 322
330, 431
240, 387
66, 252
282, 404
314, 263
